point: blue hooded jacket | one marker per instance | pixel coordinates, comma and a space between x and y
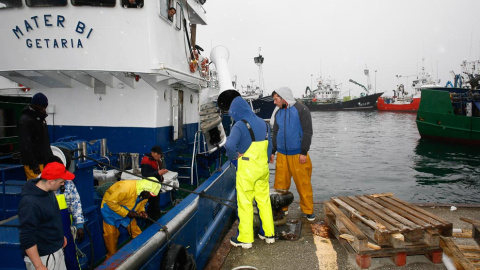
239, 139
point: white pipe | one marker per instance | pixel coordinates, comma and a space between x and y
219, 56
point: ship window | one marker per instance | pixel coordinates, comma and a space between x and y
178, 17
46, 3
10, 3
95, 3
165, 5
132, 3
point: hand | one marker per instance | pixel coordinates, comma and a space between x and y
64, 241
240, 155
143, 214
272, 158
41, 267
80, 234
162, 172
302, 159
132, 214
36, 170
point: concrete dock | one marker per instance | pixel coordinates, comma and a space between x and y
314, 252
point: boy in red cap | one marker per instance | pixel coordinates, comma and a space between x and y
41, 229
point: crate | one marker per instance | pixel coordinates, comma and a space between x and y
465, 257
382, 225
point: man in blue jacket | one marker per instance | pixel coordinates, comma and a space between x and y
249, 144
292, 136
41, 228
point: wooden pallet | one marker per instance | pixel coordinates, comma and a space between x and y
382, 225
465, 257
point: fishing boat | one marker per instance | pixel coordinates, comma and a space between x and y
402, 101
118, 82
451, 114
327, 97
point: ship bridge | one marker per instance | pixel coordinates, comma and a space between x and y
56, 44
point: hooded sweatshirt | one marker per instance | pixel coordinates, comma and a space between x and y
292, 128
40, 220
239, 139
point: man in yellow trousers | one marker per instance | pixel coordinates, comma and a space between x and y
292, 136
248, 145
122, 203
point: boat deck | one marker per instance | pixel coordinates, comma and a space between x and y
314, 252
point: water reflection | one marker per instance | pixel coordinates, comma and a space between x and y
452, 170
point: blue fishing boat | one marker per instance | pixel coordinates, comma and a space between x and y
120, 78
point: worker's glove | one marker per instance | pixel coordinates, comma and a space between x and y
132, 214
36, 170
80, 234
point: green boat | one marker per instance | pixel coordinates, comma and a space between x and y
450, 114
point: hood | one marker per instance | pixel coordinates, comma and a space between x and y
239, 109
30, 189
147, 185
286, 93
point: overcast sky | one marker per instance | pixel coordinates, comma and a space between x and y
337, 39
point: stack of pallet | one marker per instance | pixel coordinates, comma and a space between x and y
465, 257
382, 225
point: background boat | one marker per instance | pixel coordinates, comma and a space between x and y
403, 100
327, 97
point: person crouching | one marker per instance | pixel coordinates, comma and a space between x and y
122, 203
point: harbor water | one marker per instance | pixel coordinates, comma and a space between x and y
366, 152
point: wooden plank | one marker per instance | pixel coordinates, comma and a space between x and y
463, 234
403, 211
469, 248
476, 233
379, 212
350, 238
382, 195
418, 209
398, 217
471, 221
370, 215
431, 238
455, 254
370, 223
361, 239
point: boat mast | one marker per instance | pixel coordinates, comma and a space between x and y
259, 62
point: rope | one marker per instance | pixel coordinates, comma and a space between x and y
200, 194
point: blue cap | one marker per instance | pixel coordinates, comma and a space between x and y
39, 99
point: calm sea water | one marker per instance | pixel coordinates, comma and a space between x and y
357, 153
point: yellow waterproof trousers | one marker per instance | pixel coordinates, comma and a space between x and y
111, 234
288, 166
252, 183
29, 172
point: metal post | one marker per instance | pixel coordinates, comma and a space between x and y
311, 81
375, 81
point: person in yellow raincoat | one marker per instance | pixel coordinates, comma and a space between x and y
249, 144
122, 203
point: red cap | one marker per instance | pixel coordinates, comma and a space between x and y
55, 170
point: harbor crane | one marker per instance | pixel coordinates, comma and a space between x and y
361, 85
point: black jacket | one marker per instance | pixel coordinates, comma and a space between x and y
34, 139
40, 220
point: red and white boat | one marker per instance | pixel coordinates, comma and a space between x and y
402, 100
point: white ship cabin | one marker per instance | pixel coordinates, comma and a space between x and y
326, 91
108, 67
